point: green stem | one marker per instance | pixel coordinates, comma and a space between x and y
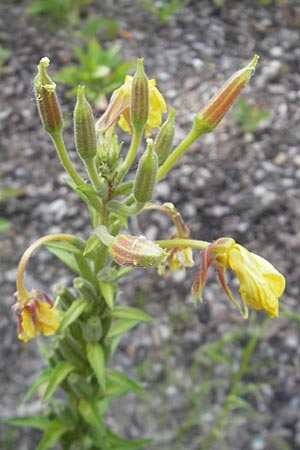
64, 158
135, 142
179, 150
23, 294
191, 243
93, 175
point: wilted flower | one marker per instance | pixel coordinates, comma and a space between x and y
178, 258
119, 108
260, 283
37, 314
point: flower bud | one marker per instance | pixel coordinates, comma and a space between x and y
47, 102
164, 139
84, 127
136, 251
92, 329
79, 385
139, 107
145, 178
86, 289
209, 117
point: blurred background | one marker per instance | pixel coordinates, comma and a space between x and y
203, 367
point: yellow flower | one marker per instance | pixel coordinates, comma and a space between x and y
119, 108
36, 315
260, 283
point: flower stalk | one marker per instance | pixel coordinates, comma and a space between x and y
89, 318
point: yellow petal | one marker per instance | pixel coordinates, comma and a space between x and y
47, 318
28, 327
255, 276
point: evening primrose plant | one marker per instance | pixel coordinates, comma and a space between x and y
85, 319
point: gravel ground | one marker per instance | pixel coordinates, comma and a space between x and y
231, 183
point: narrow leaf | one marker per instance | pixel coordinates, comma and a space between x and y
52, 435
121, 326
72, 314
96, 359
39, 422
84, 267
65, 256
43, 377
59, 373
129, 313
89, 414
119, 443
107, 290
123, 381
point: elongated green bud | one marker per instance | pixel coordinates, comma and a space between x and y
139, 106
84, 127
136, 251
65, 298
47, 102
79, 385
92, 329
145, 178
209, 117
72, 351
86, 289
164, 139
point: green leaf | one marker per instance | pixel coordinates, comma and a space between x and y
64, 255
91, 195
44, 350
122, 382
39, 422
119, 443
91, 246
84, 267
59, 373
4, 225
43, 377
96, 358
107, 290
121, 326
72, 314
90, 415
129, 313
52, 435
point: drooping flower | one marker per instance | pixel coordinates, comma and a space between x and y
37, 314
119, 108
261, 284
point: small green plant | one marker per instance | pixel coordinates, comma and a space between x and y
4, 55
163, 9
249, 116
5, 195
59, 11
100, 69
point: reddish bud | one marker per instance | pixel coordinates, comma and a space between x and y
136, 251
47, 102
209, 117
